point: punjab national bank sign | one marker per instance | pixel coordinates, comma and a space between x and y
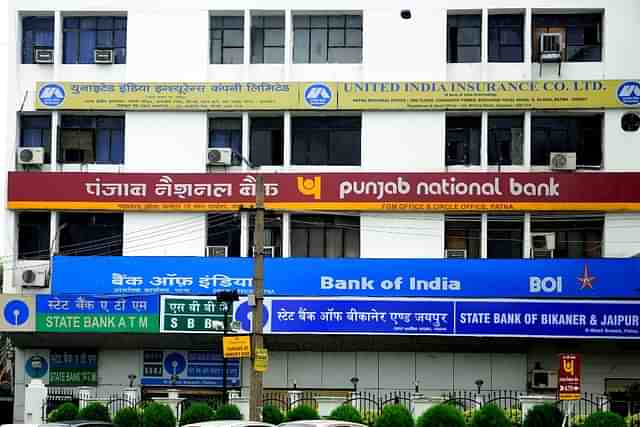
599, 191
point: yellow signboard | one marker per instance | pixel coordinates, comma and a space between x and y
236, 346
261, 361
426, 95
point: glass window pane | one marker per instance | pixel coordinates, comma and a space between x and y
337, 21
233, 22
120, 38
216, 51
232, 56
317, 243
318, 46
298, 241
87, 46
88, 23
469, 54
354, 21
274, 37
105, 23
510, 36
354, 38
301, 46
318, 21
233, 38
511, 54
117, 146
300, 21
469, 36
104, 39
273, 55
120, 55
257, 46
217, 22
318, 148
344, 148
334, 243
274, 21
71, 23
103, 148
336, 38
120, 23
70, 50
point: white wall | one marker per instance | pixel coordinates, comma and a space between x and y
621, 235
164, 234
397, 235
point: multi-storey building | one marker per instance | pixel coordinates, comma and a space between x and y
404, 133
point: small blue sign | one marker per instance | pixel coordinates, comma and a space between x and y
51, 94
317, 95
629, 93
244, 315
36, 367
16, 312
175, 364
192, 368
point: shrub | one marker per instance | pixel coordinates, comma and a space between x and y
369, 417
158, 415
441, 416
94, 412
196, 413
490, 416
468, 416
604, 419
578, 420
346, 413
127, 417
633, 420
65, 412
302, 412
514, 415
272, 415
395, 416
228, 412
546, 415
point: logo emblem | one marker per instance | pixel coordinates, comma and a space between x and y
586, 280
175, 363
317, 95
244, 316
51, 94
16, 312
36, 367
309, 186
629, 93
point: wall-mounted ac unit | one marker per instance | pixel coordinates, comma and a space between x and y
551, 47
30, 275
30, 155
455, 253
43, 55
562, 161
543, 245
103, 56
268, 251
543, 380
217, 251
219, 156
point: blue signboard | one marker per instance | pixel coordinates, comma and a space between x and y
509, 278
188, 368
419, 316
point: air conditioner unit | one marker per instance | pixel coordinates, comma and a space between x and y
32, 276
217, 251
219, 156
551, 47
455, 253
31, 155
562, 161
43, 55
267, 251
103, 56
543, 245
541, 380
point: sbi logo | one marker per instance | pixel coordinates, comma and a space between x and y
545, 284
51, 94
629, 93
317, 95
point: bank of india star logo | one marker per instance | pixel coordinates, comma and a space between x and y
586, 280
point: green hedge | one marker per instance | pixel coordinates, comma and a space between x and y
346, 412
66, 412
441, 416
302, 412
228, 412
490, 416
546, 415
158, 415
95, 412
196, 413
127, 417
604, 419
395, 416
272, 415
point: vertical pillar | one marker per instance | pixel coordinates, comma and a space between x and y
35, 401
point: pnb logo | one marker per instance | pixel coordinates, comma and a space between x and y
317, 95
51, 94
629, 93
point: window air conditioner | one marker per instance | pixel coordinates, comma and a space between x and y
219, 156
550, 47
43, 55
32, 276
543, 245
268, 251
217, 251
562, 161
103, 56
455, 253
30, 155
541, 379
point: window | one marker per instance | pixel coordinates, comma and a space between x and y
462, 233
35, 131
90, 234
464, 38
506, 38
576, 236
267, 141
463, 140
580, 33
577, 134
328, 141
504, 236
89, 139
37, 33
505, 140
82, 35
227, 39
34, 235
272, 233
320, 39
267, 40
227, 133
223, 229
325, 236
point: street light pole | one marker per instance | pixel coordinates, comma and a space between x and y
255, 391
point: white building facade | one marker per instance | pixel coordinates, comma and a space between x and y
335, 42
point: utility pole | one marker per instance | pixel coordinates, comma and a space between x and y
255, 392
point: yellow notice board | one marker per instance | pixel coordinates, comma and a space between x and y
236, 346
424, 95
261, 361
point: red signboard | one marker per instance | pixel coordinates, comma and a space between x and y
437, 192
569, 377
